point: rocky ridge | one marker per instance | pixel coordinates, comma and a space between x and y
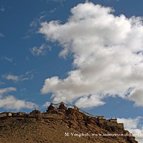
61, 124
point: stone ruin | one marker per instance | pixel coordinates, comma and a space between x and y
72, 115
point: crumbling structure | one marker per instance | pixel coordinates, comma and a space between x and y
73, 116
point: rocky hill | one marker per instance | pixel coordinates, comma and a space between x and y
60, 125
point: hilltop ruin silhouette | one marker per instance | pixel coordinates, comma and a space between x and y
70, 118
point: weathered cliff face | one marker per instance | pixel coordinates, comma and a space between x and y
61, 125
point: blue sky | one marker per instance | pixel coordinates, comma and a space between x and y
46, 55
19, 29
19, 34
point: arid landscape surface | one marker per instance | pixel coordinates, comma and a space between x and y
61, 125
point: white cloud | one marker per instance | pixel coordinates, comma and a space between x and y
136, 96
12, 77
39, 51
7, 90
134, 126
107, 55
16, 78
89, 101
12, 103
46, 104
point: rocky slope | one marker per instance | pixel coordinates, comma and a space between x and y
61, 125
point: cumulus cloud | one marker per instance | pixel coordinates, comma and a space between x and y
89, 101
136, 96
107, 55
39, 51
135, 126
12, 103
